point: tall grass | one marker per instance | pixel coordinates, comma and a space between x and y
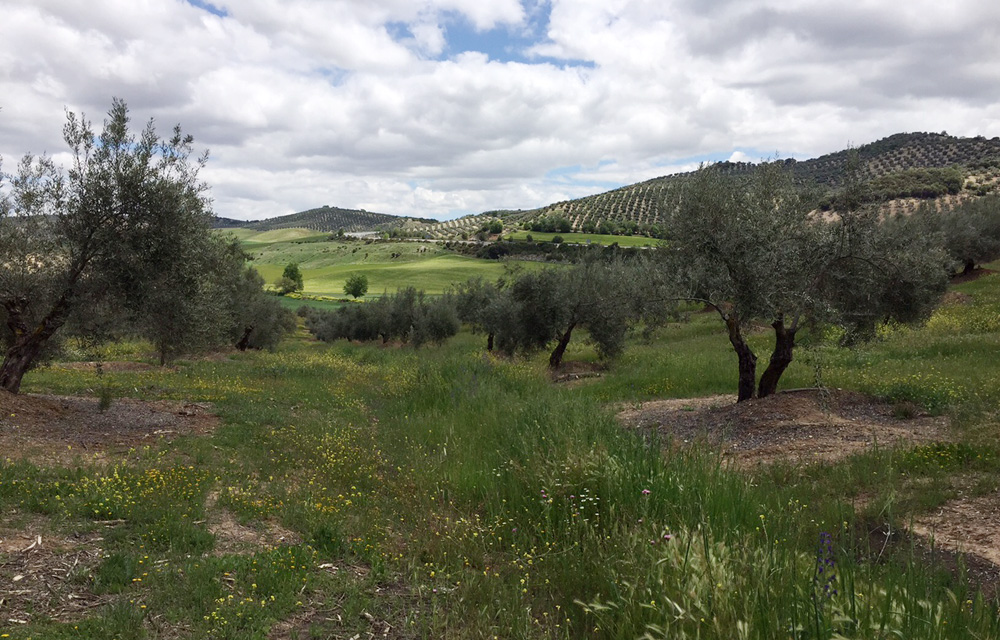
463, 496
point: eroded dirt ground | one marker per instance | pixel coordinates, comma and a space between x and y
50, 430
812, 426
797, 426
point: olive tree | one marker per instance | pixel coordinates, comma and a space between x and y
254, 318
970, 230
539, 309
750, 247
75, 240
606, 297
481, 304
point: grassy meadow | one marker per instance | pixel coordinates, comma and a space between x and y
443, 493
252, 237
326, 265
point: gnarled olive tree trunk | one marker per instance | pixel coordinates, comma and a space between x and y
781, 357
557, 355
28, 342
746, 357
244, 341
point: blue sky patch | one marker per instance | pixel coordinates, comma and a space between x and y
209, 7
504, 43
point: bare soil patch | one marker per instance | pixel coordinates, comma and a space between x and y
975, 274
48, 576
982, 574
802, 426
799, 426
956, 297
969, 525
233, 537
61, 429
573, 371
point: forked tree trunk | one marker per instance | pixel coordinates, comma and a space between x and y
781, 357
557, 355
244, 342
747, 360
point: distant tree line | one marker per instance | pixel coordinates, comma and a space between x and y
926, 183
120, 244
548, 251
603, 226
407, 316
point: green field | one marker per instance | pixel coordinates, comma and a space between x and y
294, 302
588, 238
252, 237
368, 490
389, 265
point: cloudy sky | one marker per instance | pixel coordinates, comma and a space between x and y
440, 108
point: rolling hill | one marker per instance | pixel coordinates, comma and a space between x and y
908, 160
903, 169
325, 219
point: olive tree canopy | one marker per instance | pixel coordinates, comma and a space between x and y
119, 229
751, 247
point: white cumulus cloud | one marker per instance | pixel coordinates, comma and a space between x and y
438, 108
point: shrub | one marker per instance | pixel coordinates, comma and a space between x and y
291, 277
356, 285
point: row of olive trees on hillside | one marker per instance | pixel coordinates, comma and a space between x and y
119, 242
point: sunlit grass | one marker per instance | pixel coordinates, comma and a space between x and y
326, 266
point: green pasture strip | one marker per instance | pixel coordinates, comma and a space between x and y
587, 238
322, 305
253, 237
432, 275
448, 493
314, 255
240, 233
